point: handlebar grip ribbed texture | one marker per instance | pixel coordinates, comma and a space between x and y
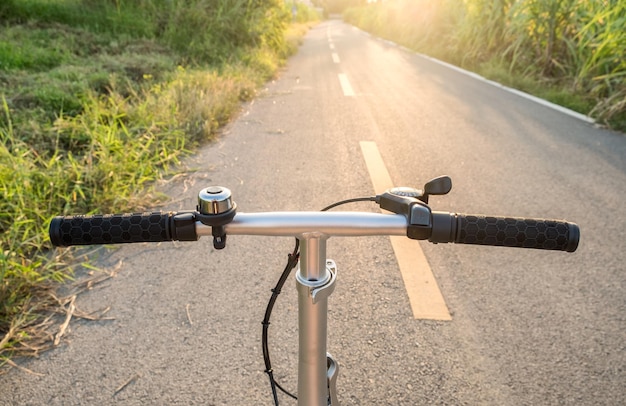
111, 229
517, 232
505, 231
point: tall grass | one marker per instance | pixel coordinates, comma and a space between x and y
98, 100
574, 45
28, 185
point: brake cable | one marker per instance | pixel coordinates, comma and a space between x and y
292, 261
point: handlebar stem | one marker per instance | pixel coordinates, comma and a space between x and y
315, 283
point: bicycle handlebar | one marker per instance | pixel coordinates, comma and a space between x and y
445, 228
410, 216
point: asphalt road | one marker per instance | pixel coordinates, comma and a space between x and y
528, 327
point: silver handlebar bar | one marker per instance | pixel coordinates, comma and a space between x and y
298, 224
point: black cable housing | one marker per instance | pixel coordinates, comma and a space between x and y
291, 264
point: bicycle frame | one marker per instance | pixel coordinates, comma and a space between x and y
315, 281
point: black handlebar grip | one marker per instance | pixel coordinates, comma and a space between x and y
505, 231
122, 228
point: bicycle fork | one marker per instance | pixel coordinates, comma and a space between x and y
315, 280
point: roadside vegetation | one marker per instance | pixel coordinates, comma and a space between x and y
571, 52
98, 100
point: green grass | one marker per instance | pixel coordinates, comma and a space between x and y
570, 52
100, 99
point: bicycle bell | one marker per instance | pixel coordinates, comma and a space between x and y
214, 200
216, 209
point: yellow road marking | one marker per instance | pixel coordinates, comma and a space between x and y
426, 299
